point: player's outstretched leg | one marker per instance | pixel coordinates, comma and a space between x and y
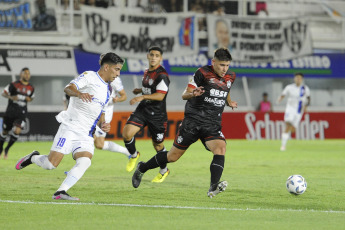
160, 158
163, 171
130, 145
13, 138
137, 176
63, 195
82, 164
285, 138
2, 141
113, 147
25, 161
217, 188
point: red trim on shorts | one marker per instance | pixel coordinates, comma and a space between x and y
137, 124
181, 146
161, 91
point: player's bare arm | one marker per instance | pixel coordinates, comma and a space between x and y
190, 92
231, 103
306, 105
72, 91
6, 95
101, 124
137, 91
153, 97
121, 98
280, 98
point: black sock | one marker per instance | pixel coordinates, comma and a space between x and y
130, 145
216, 168
163, 166
13, 138
159, 159
2, 141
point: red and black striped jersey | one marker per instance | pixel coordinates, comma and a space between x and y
208, 107
156, 81
21, 90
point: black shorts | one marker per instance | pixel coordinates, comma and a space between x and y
190, 131
12, 120
157, 127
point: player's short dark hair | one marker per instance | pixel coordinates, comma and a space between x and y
265, 94
112, 58
222, 54
299, 73
24, 69
155, 48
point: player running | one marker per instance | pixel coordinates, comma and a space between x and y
116, 88
150, 112
206, 94
18, 93
89, 94
298, 99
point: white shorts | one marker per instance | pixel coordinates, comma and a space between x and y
67, 141
292, 116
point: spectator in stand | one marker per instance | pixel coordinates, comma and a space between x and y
201, 21
220, 11
154, 6
172, 5
265, 105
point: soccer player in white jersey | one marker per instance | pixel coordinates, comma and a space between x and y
298, 98
99, 136
89, 95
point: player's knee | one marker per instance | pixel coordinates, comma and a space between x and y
126, 136
99, 145
220, 151
84, 162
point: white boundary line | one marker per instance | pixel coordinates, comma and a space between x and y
174, 207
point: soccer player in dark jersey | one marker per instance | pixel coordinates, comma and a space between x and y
150, 112
18, 93
206, 94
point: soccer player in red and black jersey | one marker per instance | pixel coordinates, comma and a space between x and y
206, 94
150, 112
19, 93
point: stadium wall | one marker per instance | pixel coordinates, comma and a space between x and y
236, 125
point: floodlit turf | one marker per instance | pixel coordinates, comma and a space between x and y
255, 199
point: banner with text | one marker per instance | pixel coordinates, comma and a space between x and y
130, 35
27, 15
258, 39
57, 61
252, 125
318, 65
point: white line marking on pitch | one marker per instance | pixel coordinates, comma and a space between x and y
172, 207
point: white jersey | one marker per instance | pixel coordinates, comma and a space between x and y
296, 96
83, 116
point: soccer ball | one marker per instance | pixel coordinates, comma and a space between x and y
296, 184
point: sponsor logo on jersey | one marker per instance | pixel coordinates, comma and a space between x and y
228, 84
146, 90
215, 101
150, 81
218, 93
96, 100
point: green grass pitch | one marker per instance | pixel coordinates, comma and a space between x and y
256, 197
